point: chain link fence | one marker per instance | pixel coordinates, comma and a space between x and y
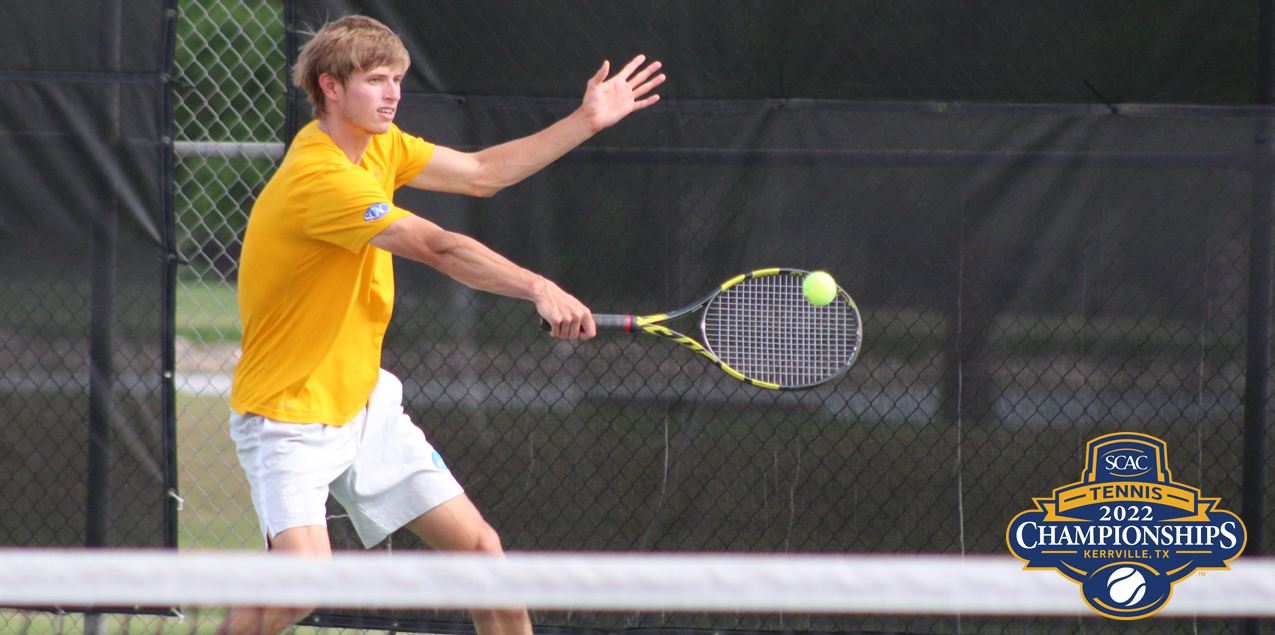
229, 112
1033, 271
1012, 313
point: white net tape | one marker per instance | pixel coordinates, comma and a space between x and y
859, 584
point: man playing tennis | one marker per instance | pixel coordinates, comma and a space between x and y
313, 412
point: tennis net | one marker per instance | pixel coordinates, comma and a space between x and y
948, 588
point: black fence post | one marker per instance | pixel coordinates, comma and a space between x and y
169, 183
101, 378
1257, 375
1260, 263
105, 239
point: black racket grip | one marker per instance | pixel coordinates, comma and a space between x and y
604, 321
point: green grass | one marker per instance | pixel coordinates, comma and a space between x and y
190, 622
217, 509
217, 512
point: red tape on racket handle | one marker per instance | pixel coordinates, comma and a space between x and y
605, 322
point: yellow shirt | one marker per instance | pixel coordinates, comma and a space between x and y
314, 297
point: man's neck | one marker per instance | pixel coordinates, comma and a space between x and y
351, 140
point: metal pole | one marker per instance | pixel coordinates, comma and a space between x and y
102, 330
169, 184
1257, 376
101, 379
1257, 373
97, 512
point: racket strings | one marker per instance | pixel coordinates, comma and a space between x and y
765, 328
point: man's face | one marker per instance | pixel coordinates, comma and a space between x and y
369, 99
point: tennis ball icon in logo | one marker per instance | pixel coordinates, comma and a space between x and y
1126, 586
1127, 590
1126, 533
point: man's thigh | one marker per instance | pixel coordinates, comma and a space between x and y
306, 540
456, 525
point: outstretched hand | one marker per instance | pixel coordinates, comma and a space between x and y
607, 101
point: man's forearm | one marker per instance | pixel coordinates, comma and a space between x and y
475, 265
483, 173
510, 162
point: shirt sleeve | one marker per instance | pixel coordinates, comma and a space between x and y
347, 207
415, 154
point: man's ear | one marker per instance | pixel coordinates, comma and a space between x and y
328, 84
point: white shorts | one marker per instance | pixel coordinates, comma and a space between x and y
378, 466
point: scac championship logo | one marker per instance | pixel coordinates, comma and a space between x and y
1126, 533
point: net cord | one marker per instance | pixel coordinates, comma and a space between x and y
749, 583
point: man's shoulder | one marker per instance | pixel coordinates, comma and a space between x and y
389, 140
314, 157
312, 146
398, 150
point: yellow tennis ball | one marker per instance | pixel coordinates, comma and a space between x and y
819, 288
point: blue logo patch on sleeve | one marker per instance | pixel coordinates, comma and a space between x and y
376, 211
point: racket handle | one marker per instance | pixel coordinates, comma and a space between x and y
612, 322
605, 322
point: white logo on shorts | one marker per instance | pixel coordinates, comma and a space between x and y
292, 500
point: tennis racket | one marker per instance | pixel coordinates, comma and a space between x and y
760, 329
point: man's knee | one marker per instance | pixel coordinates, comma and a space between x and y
488, 541
457, 526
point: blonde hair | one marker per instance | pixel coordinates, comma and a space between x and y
342, 48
